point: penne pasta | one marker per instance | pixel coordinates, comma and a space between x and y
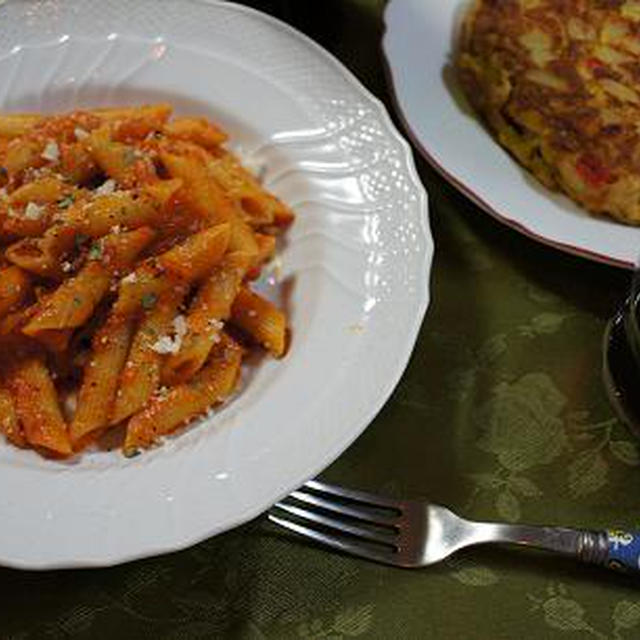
9, 424
30, 208
122, 162
36, 404
140, 122
266, 247
77, 165
100, 215
140, 376
15, 125
134, 122
118, 251
261, 320
110, 347
126, 243
197, 130
242, 238
11, 325
209, 309
195, 257
15, 287
82, 221
256, 205
42, 191
176, 269
74, 302
167, 411
164, 194
22, 154
142, 288
206, 198
266, 251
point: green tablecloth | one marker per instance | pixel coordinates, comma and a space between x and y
501, 415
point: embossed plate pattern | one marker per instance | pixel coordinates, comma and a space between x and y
354, 276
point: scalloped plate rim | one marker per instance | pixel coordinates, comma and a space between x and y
360, 422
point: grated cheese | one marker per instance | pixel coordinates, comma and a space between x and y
106, 188
51, 151
172, 344
70, 405
216, 325
164, 345
80, 134
33, 211
180, 326
131, 278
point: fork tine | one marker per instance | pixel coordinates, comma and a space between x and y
353, 529
345, 510
351, 494
336, 542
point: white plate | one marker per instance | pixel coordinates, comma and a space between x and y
355, 268
417, 44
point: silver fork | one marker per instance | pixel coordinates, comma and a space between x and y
416, 533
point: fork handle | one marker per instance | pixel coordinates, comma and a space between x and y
623, 550
614, 548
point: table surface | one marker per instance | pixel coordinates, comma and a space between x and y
501, 414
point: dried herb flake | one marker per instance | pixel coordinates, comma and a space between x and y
149, 300
95, 252
66, 202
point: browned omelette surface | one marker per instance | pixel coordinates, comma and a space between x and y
558, 82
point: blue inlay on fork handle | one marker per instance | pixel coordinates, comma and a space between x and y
623, 550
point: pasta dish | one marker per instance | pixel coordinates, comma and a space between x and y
128, 244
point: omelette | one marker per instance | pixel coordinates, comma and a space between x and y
558, 84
